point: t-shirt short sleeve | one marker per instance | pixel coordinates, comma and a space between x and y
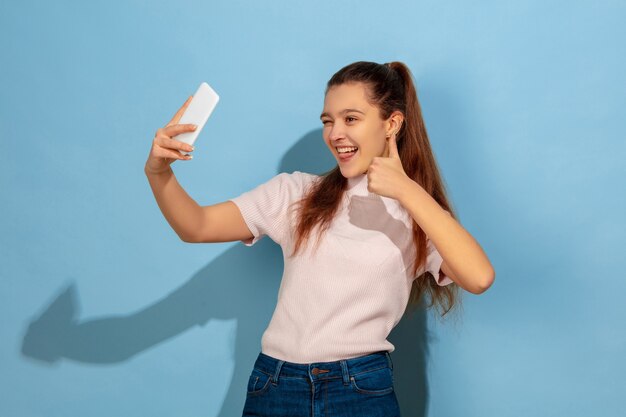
265, 208
433, 265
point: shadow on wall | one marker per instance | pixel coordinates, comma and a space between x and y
57, 334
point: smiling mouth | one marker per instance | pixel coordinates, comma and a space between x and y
345, 153
346, 149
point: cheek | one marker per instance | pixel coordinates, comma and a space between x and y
373, 147
326, 140
373, 139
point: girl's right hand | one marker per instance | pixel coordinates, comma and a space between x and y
165, 149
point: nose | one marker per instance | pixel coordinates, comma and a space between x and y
336, 132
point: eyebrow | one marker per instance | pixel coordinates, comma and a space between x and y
342, 112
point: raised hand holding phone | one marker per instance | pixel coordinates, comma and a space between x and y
186, 124
198, 112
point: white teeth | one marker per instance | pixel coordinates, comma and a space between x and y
347, 149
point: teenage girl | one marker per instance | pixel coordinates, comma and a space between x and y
360, 242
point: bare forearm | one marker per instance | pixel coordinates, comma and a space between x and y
462, 254
180, 210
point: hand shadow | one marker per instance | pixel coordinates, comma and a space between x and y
370, 213
253, 274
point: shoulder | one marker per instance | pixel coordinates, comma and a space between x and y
296, 180
282, 187
299, 176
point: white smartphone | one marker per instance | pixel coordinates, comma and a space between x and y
197, 113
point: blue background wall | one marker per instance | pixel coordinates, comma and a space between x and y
104, 311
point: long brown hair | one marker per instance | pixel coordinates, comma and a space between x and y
390, 88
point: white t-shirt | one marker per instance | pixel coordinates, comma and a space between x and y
343, 300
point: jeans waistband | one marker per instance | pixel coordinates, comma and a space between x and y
323, 370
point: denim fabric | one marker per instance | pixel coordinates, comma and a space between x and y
361, 386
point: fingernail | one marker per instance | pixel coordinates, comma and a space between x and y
192, 148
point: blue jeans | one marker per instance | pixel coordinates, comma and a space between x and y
361, 386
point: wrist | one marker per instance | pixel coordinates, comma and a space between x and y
409, 190
150, 172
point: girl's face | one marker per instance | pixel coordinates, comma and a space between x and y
354, 131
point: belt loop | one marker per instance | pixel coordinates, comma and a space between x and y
389, 359
344, 372
275, 376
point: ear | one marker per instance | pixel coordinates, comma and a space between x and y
394, 123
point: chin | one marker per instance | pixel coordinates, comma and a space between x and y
351, 172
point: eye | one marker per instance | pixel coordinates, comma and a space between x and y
324, 122
350, 118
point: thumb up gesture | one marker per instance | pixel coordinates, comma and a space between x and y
385, 175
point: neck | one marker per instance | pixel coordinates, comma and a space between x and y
357, 182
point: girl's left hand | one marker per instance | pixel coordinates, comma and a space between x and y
385, 175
